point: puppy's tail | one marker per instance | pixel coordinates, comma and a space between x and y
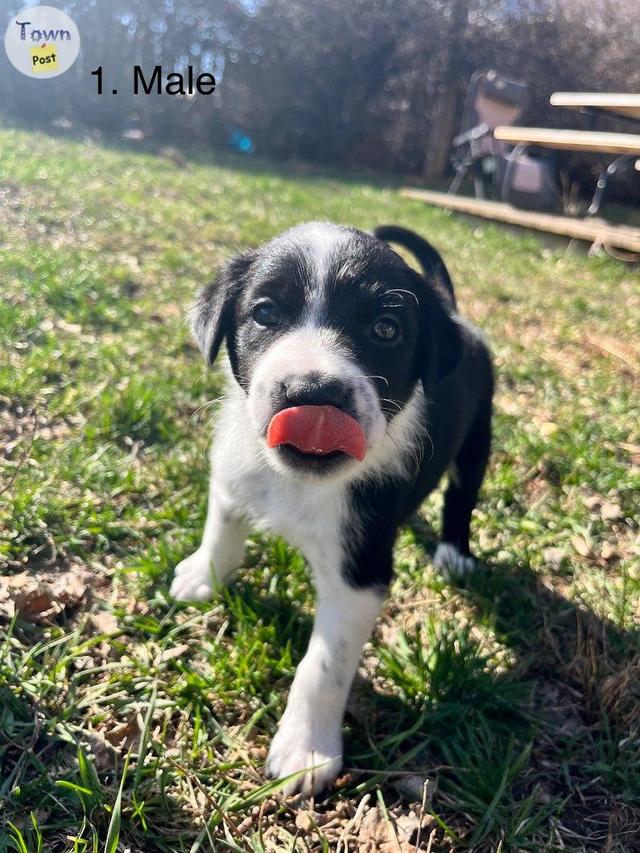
429, 258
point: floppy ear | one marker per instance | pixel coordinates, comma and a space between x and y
442, 341
212, 312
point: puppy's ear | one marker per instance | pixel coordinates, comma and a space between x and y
433, 267
441, 341
212, 312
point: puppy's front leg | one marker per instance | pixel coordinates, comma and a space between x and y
309, 736
220, 552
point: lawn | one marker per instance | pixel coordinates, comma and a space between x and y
499, 714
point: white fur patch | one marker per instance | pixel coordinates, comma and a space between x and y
220, 552
321, 241
309, 737
451, 563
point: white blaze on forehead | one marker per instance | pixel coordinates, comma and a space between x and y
318, 246
321, 243
304, 350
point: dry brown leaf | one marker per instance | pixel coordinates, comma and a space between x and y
71, 328
593, 502
581, 546
609, 552
553, 556
381, 834
548, 428
375, 834
40, 598
304, 821
610, 511
104, 622
103, 752
122, 734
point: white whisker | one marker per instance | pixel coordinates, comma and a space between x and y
400, 290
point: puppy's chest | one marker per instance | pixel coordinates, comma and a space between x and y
307, 516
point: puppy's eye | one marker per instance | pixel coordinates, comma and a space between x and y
267, 313
386, 329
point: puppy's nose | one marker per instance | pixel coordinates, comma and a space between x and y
315, 390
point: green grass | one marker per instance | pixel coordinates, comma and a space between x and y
505, 711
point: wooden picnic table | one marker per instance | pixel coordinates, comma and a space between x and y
594, 141
608, 102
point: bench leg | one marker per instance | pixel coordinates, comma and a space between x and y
458, 179
478, 179
601, 186
512, 159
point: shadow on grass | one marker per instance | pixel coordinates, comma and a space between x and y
506, 747
520, 606
585, 702
435, 711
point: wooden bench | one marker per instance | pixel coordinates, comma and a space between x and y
593, 230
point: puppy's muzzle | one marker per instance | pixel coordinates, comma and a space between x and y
314, 421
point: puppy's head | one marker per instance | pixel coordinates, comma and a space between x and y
328, 332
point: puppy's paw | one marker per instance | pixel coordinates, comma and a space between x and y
451, 564
311, 751
193, 579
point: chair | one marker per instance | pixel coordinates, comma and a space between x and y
492, 100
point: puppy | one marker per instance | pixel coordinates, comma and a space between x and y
354, 386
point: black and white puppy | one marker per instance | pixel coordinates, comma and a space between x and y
354, 387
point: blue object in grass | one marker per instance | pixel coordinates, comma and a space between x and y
240, 142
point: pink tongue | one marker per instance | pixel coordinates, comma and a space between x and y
318, 430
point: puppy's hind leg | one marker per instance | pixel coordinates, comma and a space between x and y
452, 556
220, 552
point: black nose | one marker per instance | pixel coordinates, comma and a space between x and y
315, 390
